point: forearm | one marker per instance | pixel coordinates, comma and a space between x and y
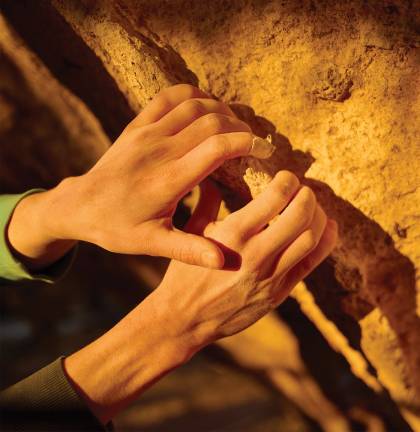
33, 233
113, 370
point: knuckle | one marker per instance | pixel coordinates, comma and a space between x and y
305, 205
137, 134
162, 103
183, 91
147, 241
219, 147
307, 195
211, 229
214, 123
162, 99
309, 240
187, 90
306, 266
194, 108
236, 235
185, 254
224, 233
304, 217
163, 92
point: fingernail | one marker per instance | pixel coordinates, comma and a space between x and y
262, 148
210, 259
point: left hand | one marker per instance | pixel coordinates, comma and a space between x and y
125, 203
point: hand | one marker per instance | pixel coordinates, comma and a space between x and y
266, 261
178, 140
125, 203
194, 306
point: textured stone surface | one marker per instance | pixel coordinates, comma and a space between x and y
60, 137
47, 133
336, 85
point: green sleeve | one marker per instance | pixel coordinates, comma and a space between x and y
46, 401
10, 268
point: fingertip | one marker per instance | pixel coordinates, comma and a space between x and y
213, 259
288, 178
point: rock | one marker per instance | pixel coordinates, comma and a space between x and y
336, 86
340, 82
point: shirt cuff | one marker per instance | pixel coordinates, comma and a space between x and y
10, 267
47, 401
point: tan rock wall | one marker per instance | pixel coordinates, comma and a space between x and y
339, 83
337, 86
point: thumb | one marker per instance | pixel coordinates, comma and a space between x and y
188, 248
207, 208
192, 247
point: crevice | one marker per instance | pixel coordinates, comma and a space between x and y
333, 373
170, 60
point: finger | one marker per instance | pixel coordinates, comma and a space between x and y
310, 262
188, 248
187, 112
207, 208
250, 219
286, 228
205, 127
165, 101
303, 245
197, 164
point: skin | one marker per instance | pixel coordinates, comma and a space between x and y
250, 261
176, 142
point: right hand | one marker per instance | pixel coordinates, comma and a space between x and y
193, 306
266, 261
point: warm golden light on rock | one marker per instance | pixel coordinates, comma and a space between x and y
336, 86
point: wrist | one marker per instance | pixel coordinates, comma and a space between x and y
73, 199
32, 232
116, 368
182, 322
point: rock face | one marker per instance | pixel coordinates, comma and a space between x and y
336, 84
